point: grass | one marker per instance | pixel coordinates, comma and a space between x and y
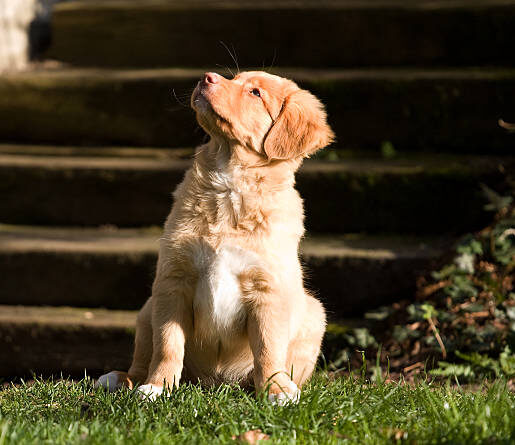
340, 410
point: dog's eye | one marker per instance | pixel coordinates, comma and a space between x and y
255, 92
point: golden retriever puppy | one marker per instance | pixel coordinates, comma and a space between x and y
228, 302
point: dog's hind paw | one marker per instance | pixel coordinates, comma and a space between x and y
114, 381
282, 398
150, 392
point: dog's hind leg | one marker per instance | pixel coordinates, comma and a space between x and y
303, 349
138, 371
143, 345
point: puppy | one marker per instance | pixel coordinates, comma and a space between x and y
228, 302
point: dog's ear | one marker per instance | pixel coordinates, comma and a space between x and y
300, 129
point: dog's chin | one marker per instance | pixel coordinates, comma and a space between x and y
212, 122
199, 102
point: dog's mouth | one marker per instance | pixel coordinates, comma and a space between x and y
201, 103
198, 100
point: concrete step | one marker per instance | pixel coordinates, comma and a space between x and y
77, 341
329, 33
114, 268
132, 187
50, 341
453, 110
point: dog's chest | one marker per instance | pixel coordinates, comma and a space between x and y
218, 306
227, 195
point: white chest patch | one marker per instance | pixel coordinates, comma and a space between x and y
228, 196
218, 295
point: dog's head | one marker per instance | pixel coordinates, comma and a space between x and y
265, 113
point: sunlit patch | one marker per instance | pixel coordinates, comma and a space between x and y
150, 392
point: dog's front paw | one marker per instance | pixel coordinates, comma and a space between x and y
114, 380
150, 392
287, 394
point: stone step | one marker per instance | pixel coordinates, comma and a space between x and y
348, 33
114, 268
47, 341
453, 110
50, 341
132, 187
445, 110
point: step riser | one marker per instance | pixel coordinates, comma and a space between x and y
30, 349
429, 202
424, 201
346, 286
334, 37
34, 348
452, 113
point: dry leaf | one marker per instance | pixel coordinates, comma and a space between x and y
395, 433
252, 436
481, 314
417, 365
430, 289
338, 435
414, 326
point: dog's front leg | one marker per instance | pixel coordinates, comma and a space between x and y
171, 323
268, 327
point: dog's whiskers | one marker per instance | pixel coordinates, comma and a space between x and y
178, 100
273, 59
233, 56
226, 68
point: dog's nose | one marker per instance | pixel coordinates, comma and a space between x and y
211, 78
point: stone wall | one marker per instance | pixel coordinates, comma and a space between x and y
24, 31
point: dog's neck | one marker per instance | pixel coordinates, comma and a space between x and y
237, 188
245, 168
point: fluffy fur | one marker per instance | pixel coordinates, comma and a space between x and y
228, 302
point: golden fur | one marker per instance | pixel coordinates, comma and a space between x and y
228, 302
